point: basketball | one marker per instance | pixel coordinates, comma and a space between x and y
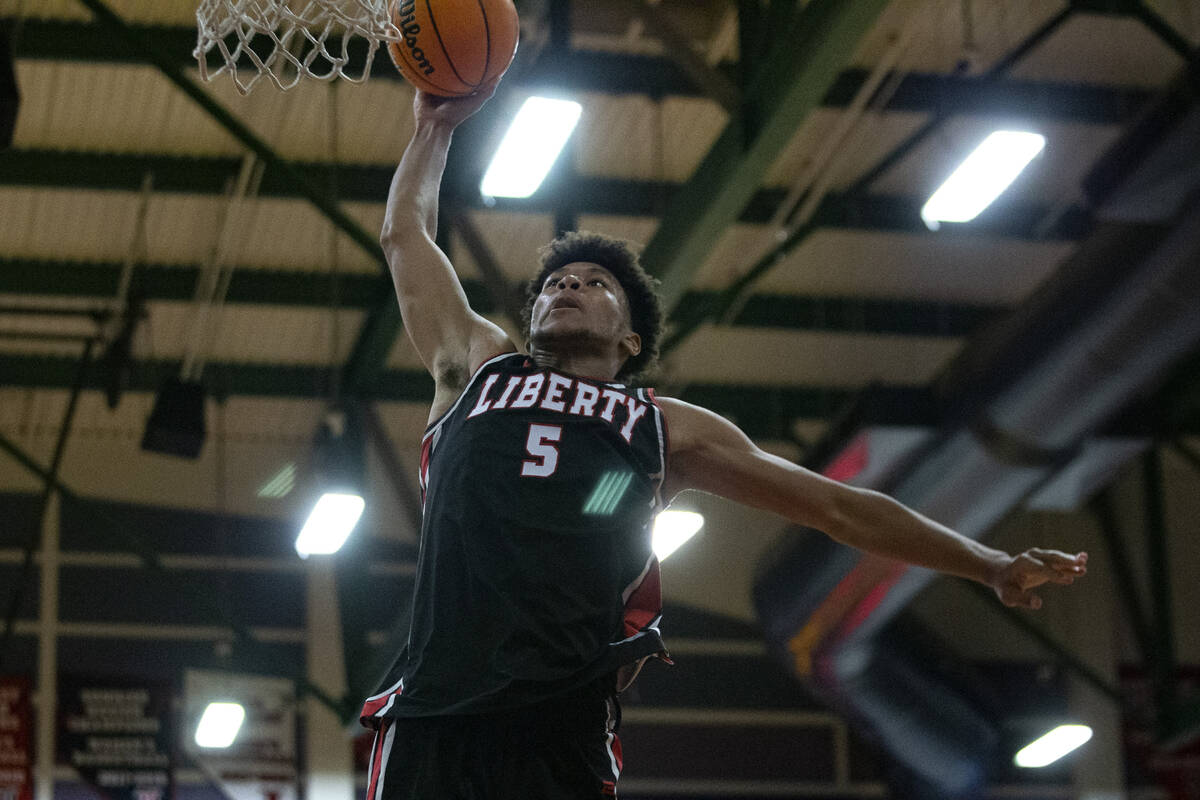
451, 47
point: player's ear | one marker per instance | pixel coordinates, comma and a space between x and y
631, 343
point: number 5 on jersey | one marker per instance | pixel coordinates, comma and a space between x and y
540, 445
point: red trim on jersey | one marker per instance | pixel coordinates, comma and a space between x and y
426, 452
645, 602
374, 706
666, 435
377, 703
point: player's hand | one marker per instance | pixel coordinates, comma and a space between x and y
451, 111
1015, 581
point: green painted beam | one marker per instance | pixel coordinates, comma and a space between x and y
588, 195
612, 73
802, 66
160, 282
762, 411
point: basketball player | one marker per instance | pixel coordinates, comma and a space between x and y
537, 595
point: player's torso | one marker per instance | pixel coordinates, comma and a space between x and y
544, 450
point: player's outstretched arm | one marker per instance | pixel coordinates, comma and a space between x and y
711, 454
450, 338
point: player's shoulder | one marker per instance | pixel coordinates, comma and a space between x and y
696, 427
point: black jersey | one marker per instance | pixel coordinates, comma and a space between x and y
536, 573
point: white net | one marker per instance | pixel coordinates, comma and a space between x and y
287, 40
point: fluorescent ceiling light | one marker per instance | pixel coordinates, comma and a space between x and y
672, 529
530, 147
219, 724
982, 177
330, 523
1053, 746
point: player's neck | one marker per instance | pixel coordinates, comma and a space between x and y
574, 361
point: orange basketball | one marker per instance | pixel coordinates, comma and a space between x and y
451, 47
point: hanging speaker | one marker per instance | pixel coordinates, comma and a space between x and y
176, 425
10, 98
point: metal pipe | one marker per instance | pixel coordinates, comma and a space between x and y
48, 484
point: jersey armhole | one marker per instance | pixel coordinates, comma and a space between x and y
665, 444
432, 426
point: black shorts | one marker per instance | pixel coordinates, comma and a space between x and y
565, 748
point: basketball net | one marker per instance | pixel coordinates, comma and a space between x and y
287, 40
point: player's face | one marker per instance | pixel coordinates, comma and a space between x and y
581, 299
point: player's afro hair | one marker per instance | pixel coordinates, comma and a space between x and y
618, 257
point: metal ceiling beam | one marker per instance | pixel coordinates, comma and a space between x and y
588, 195
612, 73
803, 64
765, 412
175, 283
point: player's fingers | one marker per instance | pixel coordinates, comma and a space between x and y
1057, 558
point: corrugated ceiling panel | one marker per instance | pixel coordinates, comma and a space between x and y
782, 358
637, 230
514, 240
69, 224
872, 137
915, 266
691, 125
942, 39
836, 263
125, 108
89, 225
632, 136
1111, 50
374, 120
292, 234
734, 253
253, 334
33, 347
39, 412
618, 136
149, 12
404, 356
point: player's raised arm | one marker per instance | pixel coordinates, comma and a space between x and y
711, 454
450, 338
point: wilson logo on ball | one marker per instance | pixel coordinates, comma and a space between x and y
453, 47
406, 21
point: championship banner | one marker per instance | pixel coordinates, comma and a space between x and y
16, 767
261, 762
116, 733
